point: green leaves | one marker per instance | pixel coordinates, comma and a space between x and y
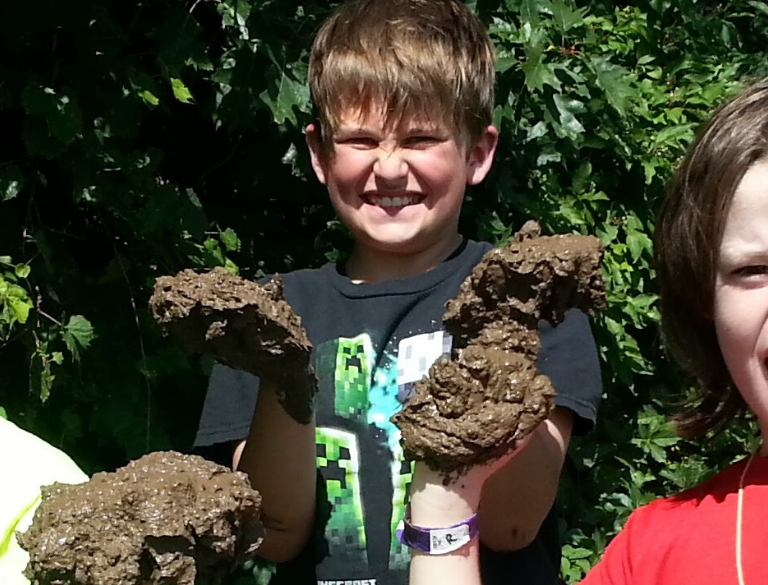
56, 111
11, 182
78, 335
616, 82
180, 91
15, 302
565, 16
284, 95
566, 124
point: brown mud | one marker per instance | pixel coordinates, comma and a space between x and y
163, 519
489, 397
242, 324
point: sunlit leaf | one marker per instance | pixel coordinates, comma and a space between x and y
180, 91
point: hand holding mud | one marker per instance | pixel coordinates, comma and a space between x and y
164, 518
471, 409
485, 401
242, 324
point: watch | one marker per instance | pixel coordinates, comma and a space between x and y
438, 541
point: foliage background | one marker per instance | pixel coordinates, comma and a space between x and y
142, 138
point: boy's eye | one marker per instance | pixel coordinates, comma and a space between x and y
360, 141
420, 140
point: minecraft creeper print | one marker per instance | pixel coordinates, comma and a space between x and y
338, 454
337, 449
352, 377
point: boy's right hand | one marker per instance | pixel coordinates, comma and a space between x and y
242, 324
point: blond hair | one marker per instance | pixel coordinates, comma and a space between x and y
423, 60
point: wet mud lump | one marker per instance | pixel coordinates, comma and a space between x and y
242, 324
489, 396
163, 519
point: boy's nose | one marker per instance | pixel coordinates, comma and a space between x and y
390, 165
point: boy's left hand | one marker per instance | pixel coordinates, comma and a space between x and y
245, 325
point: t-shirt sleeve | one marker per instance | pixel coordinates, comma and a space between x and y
568, 356
228, 407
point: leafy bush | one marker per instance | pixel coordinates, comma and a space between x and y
140, 139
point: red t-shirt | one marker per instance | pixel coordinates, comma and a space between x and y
691, 538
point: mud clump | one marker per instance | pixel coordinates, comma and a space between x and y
242, 324
163, 519
489, 396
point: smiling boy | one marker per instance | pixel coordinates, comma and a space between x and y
404, 95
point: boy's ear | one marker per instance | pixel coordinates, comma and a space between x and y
314, 143
480, 155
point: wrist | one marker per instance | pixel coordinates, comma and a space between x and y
435, 504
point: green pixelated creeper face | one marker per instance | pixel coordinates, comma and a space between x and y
352, 377
338, 456
365, 391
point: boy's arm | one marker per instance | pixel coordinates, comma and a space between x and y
517, 498
279, 458
437, 502
434, 504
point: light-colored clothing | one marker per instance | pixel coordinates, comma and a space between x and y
26, 463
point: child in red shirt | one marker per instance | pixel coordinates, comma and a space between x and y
711, 249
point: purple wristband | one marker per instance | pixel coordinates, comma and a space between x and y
438, 541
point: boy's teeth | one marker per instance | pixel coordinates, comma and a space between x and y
396, 201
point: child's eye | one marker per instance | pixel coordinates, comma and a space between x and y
360, 142
420, 141
751, 270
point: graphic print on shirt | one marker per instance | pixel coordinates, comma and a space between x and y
363, 446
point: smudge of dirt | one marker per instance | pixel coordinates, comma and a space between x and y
242, 324
489, 396
163, 519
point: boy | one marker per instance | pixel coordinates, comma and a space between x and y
404, 95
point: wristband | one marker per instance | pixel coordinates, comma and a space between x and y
438, 541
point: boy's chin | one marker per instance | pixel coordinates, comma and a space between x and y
391, 243
402, 244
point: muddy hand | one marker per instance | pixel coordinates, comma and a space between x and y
489, 397
242, 324
164, 518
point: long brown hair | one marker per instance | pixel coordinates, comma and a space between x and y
687, 240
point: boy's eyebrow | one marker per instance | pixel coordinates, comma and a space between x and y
354, 129
424, 130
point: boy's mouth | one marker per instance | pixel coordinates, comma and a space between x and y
393, 202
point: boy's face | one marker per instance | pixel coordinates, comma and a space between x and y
399, 191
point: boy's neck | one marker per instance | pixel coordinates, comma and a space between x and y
367, 265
